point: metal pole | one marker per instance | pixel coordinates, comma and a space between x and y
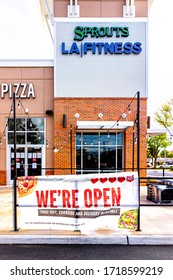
15, 169
133, 151
138, 154
71, 149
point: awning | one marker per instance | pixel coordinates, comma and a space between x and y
107, 125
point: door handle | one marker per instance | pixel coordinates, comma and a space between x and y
25, 166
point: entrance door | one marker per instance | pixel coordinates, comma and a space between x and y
29, 161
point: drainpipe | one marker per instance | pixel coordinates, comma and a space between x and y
49, 12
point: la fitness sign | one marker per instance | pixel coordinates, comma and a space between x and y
101, 47
21, 90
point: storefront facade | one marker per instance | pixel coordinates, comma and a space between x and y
77, 114
34, 121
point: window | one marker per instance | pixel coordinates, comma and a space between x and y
99, 152
28, 131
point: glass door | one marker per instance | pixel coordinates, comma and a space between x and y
29, 161
20, 162
34, 161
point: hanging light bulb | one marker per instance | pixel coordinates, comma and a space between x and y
18, 106
56, 150
124, 115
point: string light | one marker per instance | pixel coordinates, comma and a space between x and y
30, 125
18, 106
56, 150
124, 114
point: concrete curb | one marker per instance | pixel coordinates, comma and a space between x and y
116, 240
151, 240
46, 239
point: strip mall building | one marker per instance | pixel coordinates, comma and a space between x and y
77, 113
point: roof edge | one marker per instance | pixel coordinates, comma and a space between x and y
26, 62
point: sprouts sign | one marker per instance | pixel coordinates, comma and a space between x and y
100, 58
101, 47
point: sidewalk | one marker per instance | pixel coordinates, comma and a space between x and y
156, 224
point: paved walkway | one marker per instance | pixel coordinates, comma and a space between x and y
156, 224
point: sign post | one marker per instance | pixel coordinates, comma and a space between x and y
15, 169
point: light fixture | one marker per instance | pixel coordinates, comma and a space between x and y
100, 115
56, 150
26, 110
77, 115
124, 115
129, 8
18, 106
64, 121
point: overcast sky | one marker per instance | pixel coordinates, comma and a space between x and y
23, 31
160, 55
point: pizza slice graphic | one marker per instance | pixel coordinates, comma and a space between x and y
26, 185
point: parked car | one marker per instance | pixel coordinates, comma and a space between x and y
149, 164
166, 165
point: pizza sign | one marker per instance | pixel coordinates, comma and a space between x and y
72, 201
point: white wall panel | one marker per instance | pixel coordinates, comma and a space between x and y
100, 75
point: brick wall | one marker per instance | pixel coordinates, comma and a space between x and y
88, 109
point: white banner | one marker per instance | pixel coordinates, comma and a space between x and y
79, 202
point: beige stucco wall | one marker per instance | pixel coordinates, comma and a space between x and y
100, 8
42, 80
